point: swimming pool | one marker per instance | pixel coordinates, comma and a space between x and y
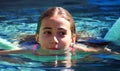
94, 17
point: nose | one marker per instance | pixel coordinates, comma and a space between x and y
54, 39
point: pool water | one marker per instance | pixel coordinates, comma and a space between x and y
80, 61
92, 17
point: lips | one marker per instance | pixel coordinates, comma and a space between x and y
54, 48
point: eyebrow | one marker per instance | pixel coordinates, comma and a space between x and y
51, 28
61, 29
47, 28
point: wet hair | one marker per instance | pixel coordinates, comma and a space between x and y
57, 11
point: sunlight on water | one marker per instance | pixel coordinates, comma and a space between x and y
93, 18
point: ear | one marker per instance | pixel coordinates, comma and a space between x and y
36, 37
73, 38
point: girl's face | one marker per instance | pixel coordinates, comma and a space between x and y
55, 33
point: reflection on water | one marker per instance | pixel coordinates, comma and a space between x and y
79, 61
95, 17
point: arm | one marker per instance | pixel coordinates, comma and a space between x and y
18, 51
84, 48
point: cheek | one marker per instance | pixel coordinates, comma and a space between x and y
65, 42
42, 41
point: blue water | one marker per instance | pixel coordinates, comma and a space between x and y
94, 17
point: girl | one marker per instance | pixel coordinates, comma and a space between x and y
56, 34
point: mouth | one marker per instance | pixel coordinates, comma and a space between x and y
54, 48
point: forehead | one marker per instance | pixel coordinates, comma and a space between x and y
55, 22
